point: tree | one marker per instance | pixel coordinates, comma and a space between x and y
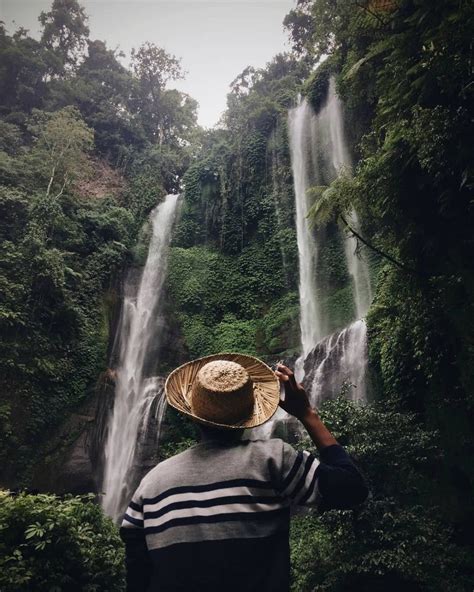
58, 544
404, 74
65, 33
102, 91
300, 25
24, 65
153, 68
62, 251
242, 83
59, 154
393, 541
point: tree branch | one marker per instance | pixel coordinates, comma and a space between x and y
376, 250
53, 173
62, 188
367, 9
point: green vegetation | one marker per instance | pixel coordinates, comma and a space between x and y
233, 269
403, 70
404, 73
399, 538
228, 303
48, 543
88, 147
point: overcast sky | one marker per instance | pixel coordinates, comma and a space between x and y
216, 40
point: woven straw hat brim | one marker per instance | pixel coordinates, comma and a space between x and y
179, 384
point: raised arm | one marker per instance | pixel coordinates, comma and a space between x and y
340, 483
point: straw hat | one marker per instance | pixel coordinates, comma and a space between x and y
224, 390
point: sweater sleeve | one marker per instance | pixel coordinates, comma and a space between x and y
340, 482
137, 561
332, 482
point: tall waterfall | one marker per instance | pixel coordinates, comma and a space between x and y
359, 271
318, 154
135, 390
301, 126
341, 161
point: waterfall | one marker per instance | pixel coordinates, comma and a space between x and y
338, 359
341, 161
319, 154
134, 390
300, 121
358, 270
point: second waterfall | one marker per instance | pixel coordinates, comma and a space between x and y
319, 154
138, 335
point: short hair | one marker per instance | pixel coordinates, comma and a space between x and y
220, 434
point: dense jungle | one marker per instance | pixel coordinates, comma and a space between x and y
90, 146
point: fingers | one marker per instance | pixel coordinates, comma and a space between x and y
285, 374
281, 376
289, 374
284, 370
288, 379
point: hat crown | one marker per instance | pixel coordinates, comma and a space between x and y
223, 392
222, 376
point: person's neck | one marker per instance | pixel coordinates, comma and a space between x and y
224, 436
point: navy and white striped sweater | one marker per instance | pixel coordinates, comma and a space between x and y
216, 517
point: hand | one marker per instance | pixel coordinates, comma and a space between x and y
296, 401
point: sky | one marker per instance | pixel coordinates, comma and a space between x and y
215, 40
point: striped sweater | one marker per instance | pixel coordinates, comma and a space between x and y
216, 517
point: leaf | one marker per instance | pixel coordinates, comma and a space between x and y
375, 51
30, 534
325, 207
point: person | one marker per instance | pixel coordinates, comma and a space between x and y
216, 517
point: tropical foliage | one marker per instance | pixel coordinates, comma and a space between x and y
89, 146
82, 162
397, 537
48, 543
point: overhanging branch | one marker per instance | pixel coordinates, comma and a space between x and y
377, 250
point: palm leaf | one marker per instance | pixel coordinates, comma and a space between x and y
325, 206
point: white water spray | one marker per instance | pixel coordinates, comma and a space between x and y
340, 160
134, 391
319, 154
340, 358
300, 123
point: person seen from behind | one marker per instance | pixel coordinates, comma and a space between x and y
216, 517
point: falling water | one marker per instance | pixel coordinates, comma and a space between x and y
300, 121
340, 358
358, 270
341, 161
319, 154
135, 391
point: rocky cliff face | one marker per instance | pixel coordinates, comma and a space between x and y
339, 362
71, 459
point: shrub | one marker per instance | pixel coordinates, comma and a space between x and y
58, 545
399, 539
